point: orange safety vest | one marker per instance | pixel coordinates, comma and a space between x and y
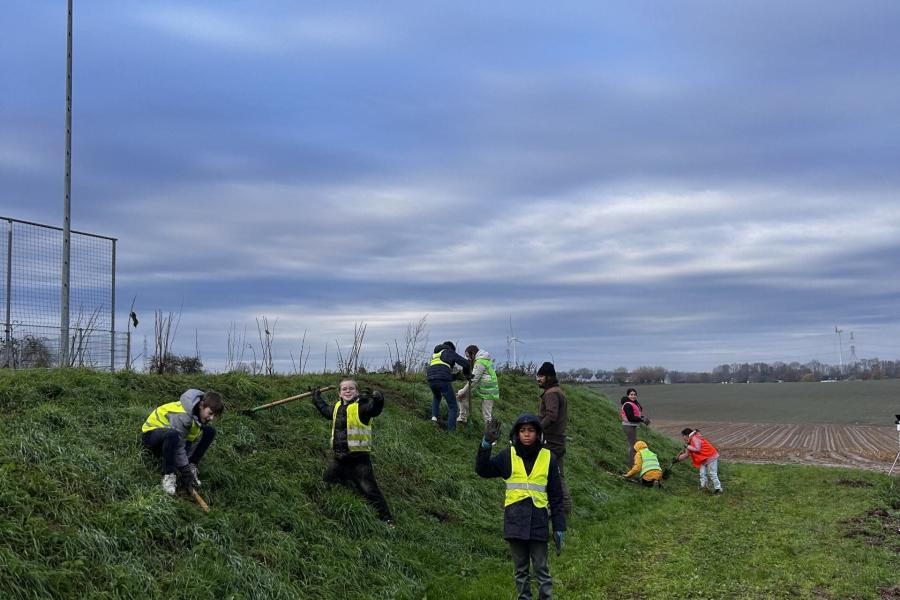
707, 450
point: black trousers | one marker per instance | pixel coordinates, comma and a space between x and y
355, 470
164, 442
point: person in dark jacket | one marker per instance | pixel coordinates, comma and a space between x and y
532, 485
351, 442
554, 415
440, 380
632, 417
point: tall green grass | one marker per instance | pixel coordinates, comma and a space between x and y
82, 514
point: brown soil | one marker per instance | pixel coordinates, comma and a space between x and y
860, 446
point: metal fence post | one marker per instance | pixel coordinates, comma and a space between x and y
112, 315
8, 345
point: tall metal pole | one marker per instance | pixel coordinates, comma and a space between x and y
112, 315
840, 347
64, 299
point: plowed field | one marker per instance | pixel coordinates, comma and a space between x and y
861, 446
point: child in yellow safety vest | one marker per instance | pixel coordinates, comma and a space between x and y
533, 486
180, 432
351, 442
646, 464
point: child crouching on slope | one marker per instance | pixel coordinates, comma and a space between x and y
181, 433
646, 464
532, 485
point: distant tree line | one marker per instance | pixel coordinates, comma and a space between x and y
757, 372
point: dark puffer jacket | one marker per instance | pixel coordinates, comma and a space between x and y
369, 408
436, 373
523, 520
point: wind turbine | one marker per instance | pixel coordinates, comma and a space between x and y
511, 341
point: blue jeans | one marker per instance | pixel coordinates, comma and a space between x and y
445, 389
710, 470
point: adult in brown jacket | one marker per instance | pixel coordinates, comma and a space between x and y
554, 415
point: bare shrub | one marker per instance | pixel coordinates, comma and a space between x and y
164, 329
411, 358
300, 364
266, 334
236, 344
350, 363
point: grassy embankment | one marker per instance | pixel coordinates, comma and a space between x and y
82, 515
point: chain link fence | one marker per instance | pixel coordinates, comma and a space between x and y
30, 298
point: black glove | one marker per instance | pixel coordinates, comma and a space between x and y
377, 395
492, 431
365, 393
188, 478
645, 421
316, 394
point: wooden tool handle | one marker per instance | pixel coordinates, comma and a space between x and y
200, 500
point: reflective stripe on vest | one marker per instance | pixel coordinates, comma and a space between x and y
520, 485
436, 360
359, 435
488, 388
649, 461
158, 419
635, 408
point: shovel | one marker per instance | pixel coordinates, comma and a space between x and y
286, 400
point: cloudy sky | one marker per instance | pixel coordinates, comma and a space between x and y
679, 184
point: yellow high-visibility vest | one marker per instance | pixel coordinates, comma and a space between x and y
157, 419
436, 360
649, 461
520, 485
359, 435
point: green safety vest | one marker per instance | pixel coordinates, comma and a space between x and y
490, 389
436, 360
157, 420
520, 486
359, 435
649, 462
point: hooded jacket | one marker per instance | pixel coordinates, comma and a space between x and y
523, 520
480, 374
185, 423
442, 372
639, 464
